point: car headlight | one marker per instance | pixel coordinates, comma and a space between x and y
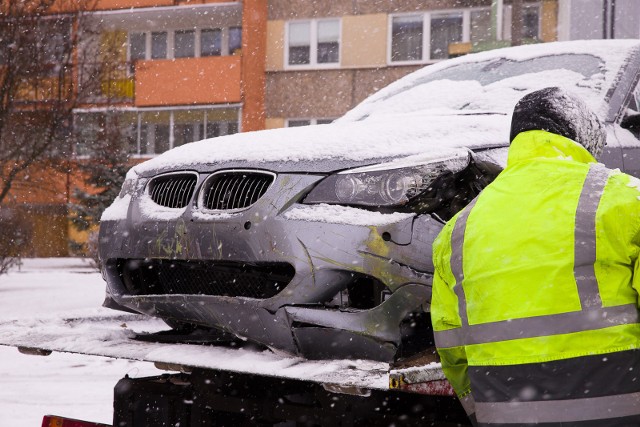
394, 183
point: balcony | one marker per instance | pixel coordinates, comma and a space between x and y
188, 81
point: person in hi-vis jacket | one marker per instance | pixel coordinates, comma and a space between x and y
535, 290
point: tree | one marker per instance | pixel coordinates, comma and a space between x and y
52, 61
103, 174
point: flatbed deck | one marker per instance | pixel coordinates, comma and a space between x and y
113, 336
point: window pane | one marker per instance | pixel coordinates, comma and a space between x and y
586, 19
211, 42
184, 44
232, 128
188, 126
626, 19
137, 45
235, 39
296, 123
480, 25
221, 121
55, 35
530, 17
299, 43
324, 121
161, 142
158, 45
184, 133
154, 132
445, 29
328, 41
406, 38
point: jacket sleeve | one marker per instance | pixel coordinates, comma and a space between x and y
445, 316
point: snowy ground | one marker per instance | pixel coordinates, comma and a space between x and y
70, 385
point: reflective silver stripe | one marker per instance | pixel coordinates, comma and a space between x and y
457, 242
540, 326
468, 403
585, 237
559, 411
449, 338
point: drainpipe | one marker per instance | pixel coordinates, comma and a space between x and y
496, 19
516, 23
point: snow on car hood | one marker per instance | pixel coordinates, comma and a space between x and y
325, 148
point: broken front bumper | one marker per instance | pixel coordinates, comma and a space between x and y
345, 280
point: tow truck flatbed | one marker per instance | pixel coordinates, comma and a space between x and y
113, 336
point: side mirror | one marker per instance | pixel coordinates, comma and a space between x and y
631, 121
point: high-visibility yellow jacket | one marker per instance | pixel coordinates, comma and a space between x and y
539, 275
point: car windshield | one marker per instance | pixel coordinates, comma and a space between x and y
491, 86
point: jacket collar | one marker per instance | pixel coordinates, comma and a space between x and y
534, 144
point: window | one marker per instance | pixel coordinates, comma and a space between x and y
57, 39
299, 43
530, 22
235, 40
328, 42
480, 30
445, 30
406, 38
184, 44
137, 46
158, 45
152, 132
428, 36
211, 42
307, 122
314, 42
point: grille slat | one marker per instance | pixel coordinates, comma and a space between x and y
217, 278
235, 189
173, 191
235, 195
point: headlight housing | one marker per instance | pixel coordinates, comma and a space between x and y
389, 184
130, 184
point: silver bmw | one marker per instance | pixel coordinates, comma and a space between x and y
316, 241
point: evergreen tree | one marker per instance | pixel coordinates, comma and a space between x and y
104, 143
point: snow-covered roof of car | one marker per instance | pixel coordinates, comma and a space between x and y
463, 102
495, 80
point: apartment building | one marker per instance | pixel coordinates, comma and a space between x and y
179, 71
188, 71
323, 58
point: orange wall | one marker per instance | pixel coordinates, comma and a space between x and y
75, 5
254, 53
210, 80
122, 4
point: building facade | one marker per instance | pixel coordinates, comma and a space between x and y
323, 58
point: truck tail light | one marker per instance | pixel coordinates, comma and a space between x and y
54, 421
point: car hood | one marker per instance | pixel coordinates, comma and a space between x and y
336, 146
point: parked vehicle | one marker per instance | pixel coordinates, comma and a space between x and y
316, 241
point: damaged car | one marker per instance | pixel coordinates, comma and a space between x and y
316, 241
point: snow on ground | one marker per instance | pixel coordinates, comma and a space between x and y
64, 384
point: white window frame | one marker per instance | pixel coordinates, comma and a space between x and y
171, 42
311, 121
466, 29
313, 48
